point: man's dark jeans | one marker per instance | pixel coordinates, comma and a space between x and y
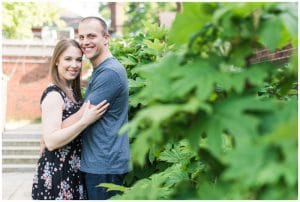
100, 193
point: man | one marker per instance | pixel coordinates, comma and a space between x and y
105, 154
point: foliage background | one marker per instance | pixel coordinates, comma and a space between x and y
19, 17
204, 122
138, 12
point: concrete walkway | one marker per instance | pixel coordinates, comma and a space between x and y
17, 185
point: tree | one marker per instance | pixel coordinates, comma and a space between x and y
104, 10
19, 17
139, 12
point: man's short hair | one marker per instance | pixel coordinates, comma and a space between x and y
100, 20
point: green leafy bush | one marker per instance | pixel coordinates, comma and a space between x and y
200, 127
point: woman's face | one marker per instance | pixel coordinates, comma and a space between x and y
69, 64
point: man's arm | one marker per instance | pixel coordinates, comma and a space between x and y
106, 86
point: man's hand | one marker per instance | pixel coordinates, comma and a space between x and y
93, 112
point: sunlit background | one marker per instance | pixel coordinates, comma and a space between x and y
213, 94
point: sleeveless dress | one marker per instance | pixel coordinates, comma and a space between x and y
57, 174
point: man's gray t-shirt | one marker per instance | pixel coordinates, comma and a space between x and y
103, 150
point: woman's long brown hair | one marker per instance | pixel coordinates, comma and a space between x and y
60, 47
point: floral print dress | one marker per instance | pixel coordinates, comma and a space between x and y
57, 175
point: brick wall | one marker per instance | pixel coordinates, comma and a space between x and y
28, 77
281, 55
26, 64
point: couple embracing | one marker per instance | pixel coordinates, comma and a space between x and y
82, 147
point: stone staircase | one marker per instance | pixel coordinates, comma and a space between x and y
20, 148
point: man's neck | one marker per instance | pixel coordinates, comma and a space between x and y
101, 59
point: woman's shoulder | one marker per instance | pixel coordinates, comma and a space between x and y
52, 88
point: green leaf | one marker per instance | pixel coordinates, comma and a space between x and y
158, 83
232, 80
269, 174
213, 191
219, 14
233, 116
158, 113
140, 147
127, 60
257, 74
243, 9
143, 142
246, 160
154, 31
174, 175
193, 105
229, 28
265, 164
214, 133
134, 100
147, 189
112, 187
179, 154
198, 75
154, 48
290, 20
195, 16
284, 112
194, 133
238, 55
285, 136
270, 32
152, 155
137, 83
278, 192
131, 126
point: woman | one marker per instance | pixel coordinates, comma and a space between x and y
57, 175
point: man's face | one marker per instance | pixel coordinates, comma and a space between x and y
92, 40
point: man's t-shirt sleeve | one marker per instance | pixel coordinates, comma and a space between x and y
106, 86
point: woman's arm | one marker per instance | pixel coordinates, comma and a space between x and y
67, 122
70, 121
74, 117
53, 134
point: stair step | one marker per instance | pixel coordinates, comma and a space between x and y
20, 159
28, 134
20, 142
19, 150
18, 168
